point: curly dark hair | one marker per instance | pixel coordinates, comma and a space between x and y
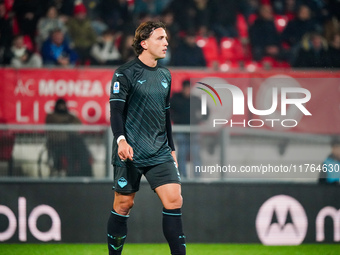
143, 32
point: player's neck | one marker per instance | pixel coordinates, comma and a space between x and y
147, 60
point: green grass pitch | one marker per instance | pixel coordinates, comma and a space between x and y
160, 249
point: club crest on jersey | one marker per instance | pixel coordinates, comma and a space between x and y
116, 87
122, 182
164, 83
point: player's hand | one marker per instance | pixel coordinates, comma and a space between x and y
173, 153
125, 151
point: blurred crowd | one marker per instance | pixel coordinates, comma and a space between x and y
213, 33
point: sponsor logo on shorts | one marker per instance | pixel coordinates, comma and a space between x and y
122, 182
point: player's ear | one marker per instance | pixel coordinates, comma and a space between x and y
144, 44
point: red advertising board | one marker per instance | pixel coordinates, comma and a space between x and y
27, 95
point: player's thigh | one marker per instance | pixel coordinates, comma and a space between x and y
170, 195
162, 174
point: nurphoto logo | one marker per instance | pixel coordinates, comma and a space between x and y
281, 98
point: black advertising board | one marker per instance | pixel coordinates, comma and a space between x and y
77, 212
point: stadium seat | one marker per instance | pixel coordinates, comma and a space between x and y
232, 49
229, 65
209, 47
252, 66
270, 62
280, 22
242, 26
290, 16
252, 18
15, 26
28, 43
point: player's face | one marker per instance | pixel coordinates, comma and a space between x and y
157, 43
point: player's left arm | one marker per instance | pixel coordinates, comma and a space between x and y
169, 135
169, 129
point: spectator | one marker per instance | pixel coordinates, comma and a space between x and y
105, 51
172, 30
296, 28
313, 53
93, 14
139, 19
334, 8
56, 51
284, 7
278, 6
27, 14
5, 27
332, 24
68, 151
250, 8
182, 11
331, 27
126, 49
334, 50
180, 114
92, 7
318, 8
223, 17
188, 53
19, 56
47, 24
291, 8
64, 8
81, 33
115, 13
5, 32
264, 37
330, 173
151, 7
172, 27
201, 16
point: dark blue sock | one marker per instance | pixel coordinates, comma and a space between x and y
173, 231
116, 232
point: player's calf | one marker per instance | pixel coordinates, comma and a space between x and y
173, 231
116, 232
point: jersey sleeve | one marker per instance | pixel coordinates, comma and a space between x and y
118, 95
167, 102
168, 120
119, 87
169, 130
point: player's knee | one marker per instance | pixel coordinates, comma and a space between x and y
174, 202
123, 207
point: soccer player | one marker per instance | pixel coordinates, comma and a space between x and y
140, 121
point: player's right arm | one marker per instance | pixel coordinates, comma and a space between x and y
118, 96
